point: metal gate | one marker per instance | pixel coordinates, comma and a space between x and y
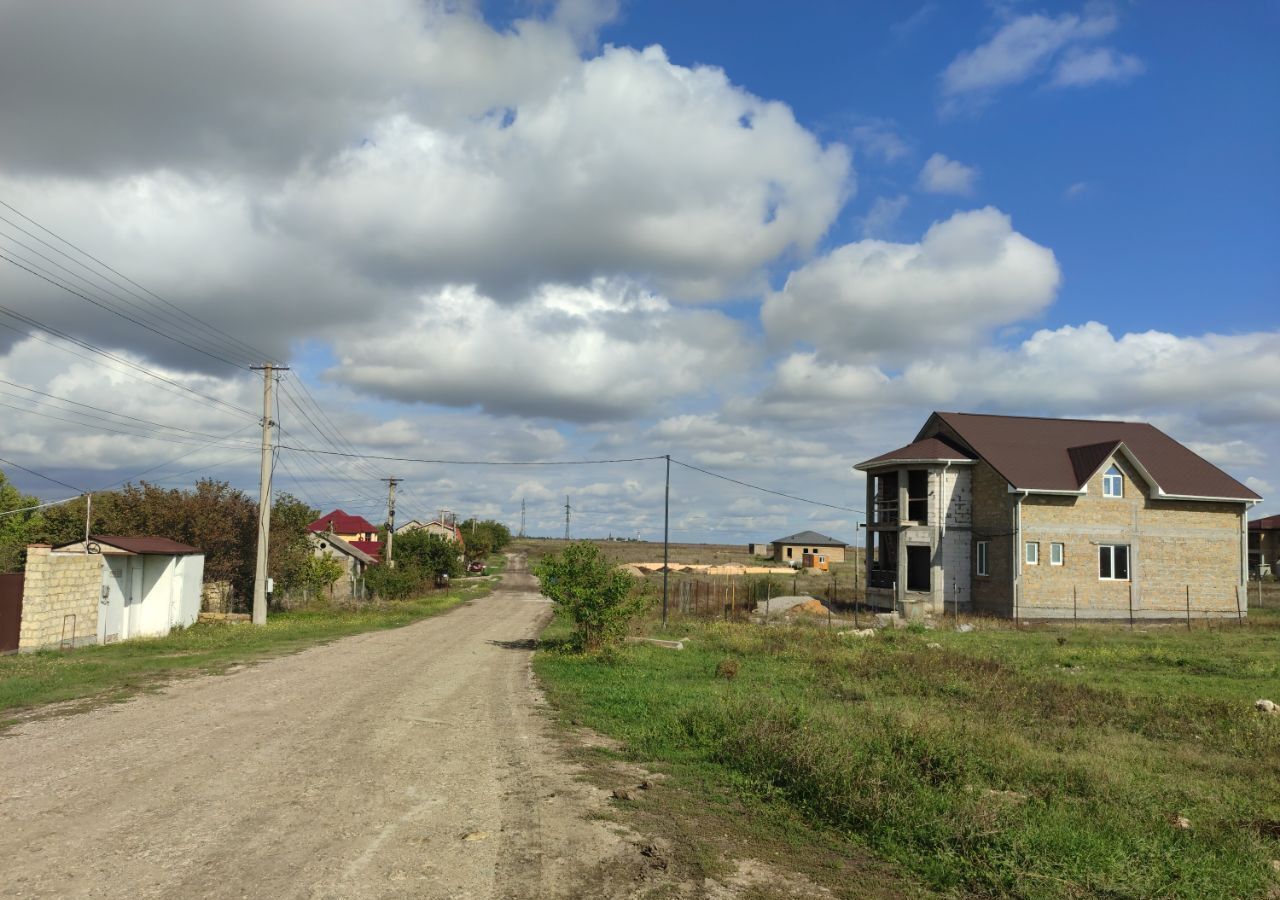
10, 611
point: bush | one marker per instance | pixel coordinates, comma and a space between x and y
399, 583
599, 598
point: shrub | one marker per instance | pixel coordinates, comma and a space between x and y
599, 598
727, 669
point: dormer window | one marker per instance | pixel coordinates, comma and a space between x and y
1113, 483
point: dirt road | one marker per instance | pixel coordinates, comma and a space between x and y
405, 763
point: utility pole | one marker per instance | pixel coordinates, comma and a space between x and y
666, 540
264, 495
566, 517
391, 517
521, 517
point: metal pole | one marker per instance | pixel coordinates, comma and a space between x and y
1188, 607
1074, 604
666, 540
264, 496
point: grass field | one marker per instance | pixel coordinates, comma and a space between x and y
1055, 762
116, 671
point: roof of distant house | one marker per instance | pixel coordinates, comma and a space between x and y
812, 538
342, 523
143, 545
372, 548
1041, 454
332, 540
931, 449
1268, 523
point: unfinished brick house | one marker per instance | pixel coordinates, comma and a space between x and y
1033, 518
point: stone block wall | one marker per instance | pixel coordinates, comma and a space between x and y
993, 523
60, 585
1176, 548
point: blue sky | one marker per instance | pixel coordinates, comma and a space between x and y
1175, 221
765, 238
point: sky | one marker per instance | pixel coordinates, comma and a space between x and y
766, 239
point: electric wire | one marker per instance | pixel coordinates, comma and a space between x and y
252, 352
756, 487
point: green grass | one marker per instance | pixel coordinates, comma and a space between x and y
119, 670
1045, 763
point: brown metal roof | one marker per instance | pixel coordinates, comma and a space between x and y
1269, 523
929, 448
1052, 454
146, 546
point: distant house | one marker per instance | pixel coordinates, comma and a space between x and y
446, 529
355, 530
1051, 518
809, 549
1264, 545
354, 560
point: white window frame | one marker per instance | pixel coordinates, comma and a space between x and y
1031, 553
1057, 553
1108, 552
983, 561
1113, 482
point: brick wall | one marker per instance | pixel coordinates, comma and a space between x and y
1176, 546
60, 585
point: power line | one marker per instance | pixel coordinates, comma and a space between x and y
21, 317
756, 487
478, 462
252, 352
44, 275
50, 478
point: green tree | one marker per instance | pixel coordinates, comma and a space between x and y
17, 529
431, 555
599, 598
290, 553
319, 572
495, 535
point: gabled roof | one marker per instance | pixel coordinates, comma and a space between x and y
341, 522
930, 449
1038, 454
344, 547
141, 545
1268, 523
812, 538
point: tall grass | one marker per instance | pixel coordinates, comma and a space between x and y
1000, 763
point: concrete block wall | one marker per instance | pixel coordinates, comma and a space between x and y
993, 523
1175, 547
59, 585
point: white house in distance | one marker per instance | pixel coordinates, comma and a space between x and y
149, 585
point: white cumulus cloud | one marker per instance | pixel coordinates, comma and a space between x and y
941, 175
874, 299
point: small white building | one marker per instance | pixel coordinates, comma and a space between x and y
149, 585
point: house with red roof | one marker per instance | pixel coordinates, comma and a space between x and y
354, 530
1264, 545
1036, 518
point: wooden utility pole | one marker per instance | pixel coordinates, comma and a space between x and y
264, 495
391, 517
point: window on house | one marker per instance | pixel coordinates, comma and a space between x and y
1056, 554
1113, 483
789, 550
982, 558
806, 549
1033, 553
918, 495
1113, 562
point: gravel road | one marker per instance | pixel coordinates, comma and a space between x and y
404, 763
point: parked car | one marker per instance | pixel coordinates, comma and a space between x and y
476, 568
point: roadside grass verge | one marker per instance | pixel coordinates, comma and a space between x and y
1056, 762
116, 671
